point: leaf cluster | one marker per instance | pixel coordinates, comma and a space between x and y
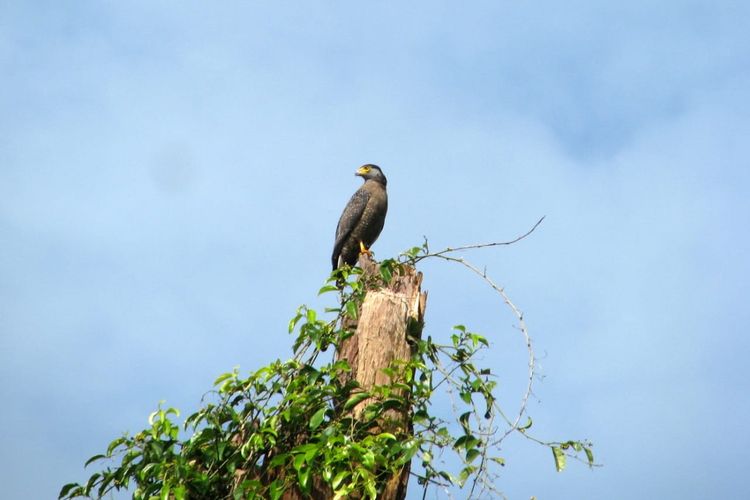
305, 425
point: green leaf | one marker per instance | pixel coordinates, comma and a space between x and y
355, 399
471, 442
179, 492
224, 376
385, 272
386, 436
526, 426
478, 339
371, 491
327, 288
368, 459
559, 458
341, 365
312, 449
299, 461
445, 475
351, 309
472, 454
460, 442
463, 419
327, 474
311, 315
94, 459
66, 489
278, 460
276, 489
466, 472
114, 444
317, 418
410, 448
393, 404
589, 455
303, 476
104, 485
339, 478
165, 492
92, 481
293, 322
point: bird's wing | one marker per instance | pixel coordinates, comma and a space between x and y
349, 218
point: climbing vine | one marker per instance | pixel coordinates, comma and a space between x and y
290, 425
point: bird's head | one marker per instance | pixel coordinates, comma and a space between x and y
371, 172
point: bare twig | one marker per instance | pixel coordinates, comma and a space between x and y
443, 254
489, 430
480, 245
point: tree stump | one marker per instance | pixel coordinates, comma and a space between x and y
389, 316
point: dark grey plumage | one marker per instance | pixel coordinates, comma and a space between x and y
363, 218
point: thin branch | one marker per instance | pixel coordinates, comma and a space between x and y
513, 425
448, 250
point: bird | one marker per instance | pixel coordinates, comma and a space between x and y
363, 217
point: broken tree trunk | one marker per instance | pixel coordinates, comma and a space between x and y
389, 316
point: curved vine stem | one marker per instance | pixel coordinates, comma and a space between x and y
444, 254
524, 331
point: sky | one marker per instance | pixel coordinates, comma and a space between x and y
171, 174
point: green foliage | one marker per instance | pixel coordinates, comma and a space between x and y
291, 424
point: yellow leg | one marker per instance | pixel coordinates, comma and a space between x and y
363, 249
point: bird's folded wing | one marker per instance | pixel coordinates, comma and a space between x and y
350, 217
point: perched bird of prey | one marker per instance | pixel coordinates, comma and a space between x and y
363, 218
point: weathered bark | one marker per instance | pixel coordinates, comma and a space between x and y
389, 316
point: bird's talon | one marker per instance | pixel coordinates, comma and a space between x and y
364, 250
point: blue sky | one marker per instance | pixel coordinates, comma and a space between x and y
171, 174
